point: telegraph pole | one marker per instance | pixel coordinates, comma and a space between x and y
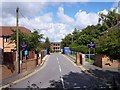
18, 52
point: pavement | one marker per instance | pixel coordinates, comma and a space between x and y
105, 74
17, 77
58, 72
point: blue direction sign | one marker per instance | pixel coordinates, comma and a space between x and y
23, 46
91, 45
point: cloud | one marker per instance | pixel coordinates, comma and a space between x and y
104, 12
39, 22
27, 8
11, 21
46, 1
84, 19
80, 20
57, 31
63, 17
45, 23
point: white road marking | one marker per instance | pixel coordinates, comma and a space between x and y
59, 64
60, 68
62, 82
60, 72
57, 60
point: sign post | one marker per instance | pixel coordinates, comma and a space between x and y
26, 53
89, 55
91, 45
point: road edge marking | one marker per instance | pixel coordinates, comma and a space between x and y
70, 60
84, 69
27, 76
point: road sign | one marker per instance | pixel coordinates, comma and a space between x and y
26, 52
23, 46
91, 45
67, 50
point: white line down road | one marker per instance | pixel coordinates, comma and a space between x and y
58, 73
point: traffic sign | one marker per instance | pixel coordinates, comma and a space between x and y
26, 52
23, 46
91, 45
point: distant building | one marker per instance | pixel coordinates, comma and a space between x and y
5, 33
56, 46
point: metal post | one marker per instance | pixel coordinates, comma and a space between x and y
94, 51
17, 53
89, 55
26, 61
3, 50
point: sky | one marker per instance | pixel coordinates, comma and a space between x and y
54, 19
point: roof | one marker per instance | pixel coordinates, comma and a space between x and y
7, 30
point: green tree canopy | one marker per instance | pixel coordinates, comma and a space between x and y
106, 36
32, 39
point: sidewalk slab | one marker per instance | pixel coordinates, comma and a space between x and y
21, 75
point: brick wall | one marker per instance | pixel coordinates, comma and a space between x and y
8, 70
98, 60
80, 58
9, 67
104, 62
31, 64
31, 54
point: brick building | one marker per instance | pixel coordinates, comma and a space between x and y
56, 46
5, 33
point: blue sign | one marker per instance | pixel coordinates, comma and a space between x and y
91, 45
47, 51
23, 46
26, 52
67, 50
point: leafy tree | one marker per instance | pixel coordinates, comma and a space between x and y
109, 43
48, 44
67, 41
109, 20
106, 35
32, 39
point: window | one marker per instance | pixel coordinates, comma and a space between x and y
6, 39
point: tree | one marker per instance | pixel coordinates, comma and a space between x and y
47, 44
106, 36
109, 20
32, 39
109, 43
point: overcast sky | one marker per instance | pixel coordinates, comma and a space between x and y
54, 19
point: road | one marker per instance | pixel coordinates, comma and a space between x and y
59, 72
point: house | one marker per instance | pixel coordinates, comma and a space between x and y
5, 33
56, 46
